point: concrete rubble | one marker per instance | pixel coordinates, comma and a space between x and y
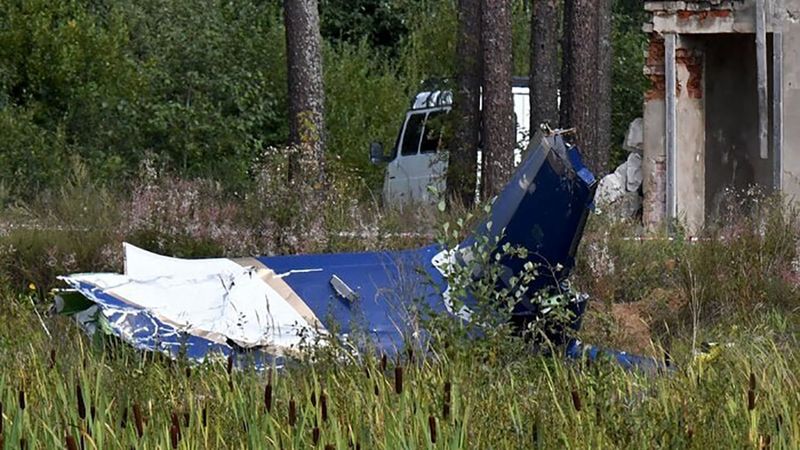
619, 193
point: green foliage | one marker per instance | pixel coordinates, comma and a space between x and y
31, 157
382, 23
183, 81
216, 83
429, 48
521, 37
629, 82
365, 101
199, 88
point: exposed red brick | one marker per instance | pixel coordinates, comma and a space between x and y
655, 61
657, 87
694, 85
655, 51
702, 15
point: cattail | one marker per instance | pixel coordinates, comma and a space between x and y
174, 436
205, 416
398, 379
71, 443
176, 424
751, 399
188, 372
410, 352
52, 359
313, 398
186, 418
268, 397
576, 400
22, 399
377, 391
446, 404
432, 426
230, 364
752, 383
323, 403
81, 404
384, 362
292, 412
138, 421
315, 435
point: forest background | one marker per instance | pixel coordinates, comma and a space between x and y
199, 89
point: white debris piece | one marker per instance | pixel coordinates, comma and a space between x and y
633, 172
634, 138
612, 186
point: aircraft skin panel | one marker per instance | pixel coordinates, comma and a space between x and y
388, 286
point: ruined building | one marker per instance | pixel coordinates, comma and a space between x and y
723, 108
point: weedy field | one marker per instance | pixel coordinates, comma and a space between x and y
736, 285
65, 392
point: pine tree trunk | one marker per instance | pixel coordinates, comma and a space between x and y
545, 68
580, 102
306, 90
463, 153
565, 91
498, 107
604, 83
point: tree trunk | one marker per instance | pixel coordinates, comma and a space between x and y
545, 68
463, 153
604, 85
498, 107
306, 90
580, 103
565, 91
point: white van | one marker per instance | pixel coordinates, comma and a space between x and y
419, 160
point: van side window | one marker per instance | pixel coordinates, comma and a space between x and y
412, 134
433, 139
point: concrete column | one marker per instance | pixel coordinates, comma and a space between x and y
691, 138
791, 99
653, 154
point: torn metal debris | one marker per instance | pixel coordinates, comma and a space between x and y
274, 305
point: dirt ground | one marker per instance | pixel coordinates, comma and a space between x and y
633, 326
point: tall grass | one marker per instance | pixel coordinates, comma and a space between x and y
111, 397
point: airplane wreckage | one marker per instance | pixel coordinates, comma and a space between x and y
270, 306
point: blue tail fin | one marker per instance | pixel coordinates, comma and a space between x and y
544, 209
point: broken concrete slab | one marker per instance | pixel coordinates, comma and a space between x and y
633, 172
634, 140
